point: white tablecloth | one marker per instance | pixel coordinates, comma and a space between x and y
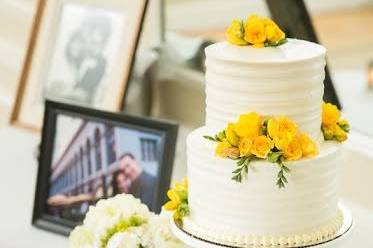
18, 178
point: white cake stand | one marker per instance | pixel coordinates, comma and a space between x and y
336, 242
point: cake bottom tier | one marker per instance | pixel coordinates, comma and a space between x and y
256, 211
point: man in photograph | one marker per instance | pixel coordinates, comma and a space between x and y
142, 183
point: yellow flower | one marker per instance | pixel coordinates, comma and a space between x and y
182, 186
282, 130
261, 146
226, 150
174, 202
248, 125
231, 135
293, 151
245, 146
308, 146
340, 134
255, 31
235, 33
344, 122
330, 114
273, 128
329, 131
273, 33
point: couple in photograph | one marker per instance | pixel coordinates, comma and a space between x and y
131, 178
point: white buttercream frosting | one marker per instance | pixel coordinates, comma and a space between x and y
223, 209
286, 80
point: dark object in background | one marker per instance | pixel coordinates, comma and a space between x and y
292, 16
98, 150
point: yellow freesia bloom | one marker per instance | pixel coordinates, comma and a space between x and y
282, 130
261, 146
174, 202
226, 150
231, 135
308, 146
330, 114
182, 186
255, 31
340, 134
235, 33
293, 151
248, 125
245, 146
273, 33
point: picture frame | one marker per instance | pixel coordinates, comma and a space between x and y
79, 52
69, 179
293, 16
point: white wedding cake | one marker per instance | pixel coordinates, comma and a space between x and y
284, 80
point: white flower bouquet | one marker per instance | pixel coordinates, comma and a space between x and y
123, 222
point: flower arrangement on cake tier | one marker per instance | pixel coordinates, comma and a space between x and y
275, 139
333, 126
255, 31
123, 222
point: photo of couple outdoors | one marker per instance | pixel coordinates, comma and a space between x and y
93, 161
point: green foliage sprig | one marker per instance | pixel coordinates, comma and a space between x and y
278, 158
217, 138
242, 168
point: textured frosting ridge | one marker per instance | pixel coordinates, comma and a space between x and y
287, 80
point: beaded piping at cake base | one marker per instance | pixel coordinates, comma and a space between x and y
311, 237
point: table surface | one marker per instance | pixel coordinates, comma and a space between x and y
18, 184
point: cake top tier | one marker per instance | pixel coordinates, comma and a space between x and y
293, 51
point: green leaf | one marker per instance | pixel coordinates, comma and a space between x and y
264, 127
221, 135
284, 179
344, 127
209, 138
242, 161
286, 169
281, 179
242, 169
274, 157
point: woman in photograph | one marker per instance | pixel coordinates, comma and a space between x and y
120, 183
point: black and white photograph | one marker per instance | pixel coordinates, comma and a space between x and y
79, 52
94, 155
87, 42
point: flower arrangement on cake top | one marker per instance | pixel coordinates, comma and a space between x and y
178, 200
256, 31
275, 139
121, 222
333, 127
255, 137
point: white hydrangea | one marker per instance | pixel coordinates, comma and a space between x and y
81, 237
153, 233
128, 239
108, 212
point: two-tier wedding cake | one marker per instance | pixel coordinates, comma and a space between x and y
265, 123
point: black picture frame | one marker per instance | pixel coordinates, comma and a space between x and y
40, 217
293, 17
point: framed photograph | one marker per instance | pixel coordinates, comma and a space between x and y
80, 52
88, 154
